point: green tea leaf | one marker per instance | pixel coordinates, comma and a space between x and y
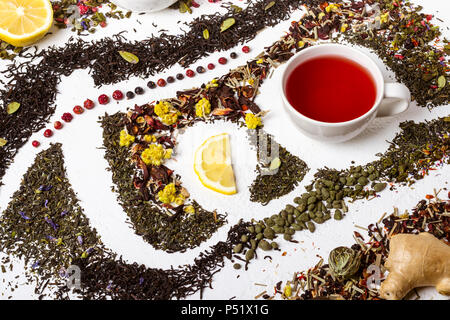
441, 81
12, 107
269, 5
184, 7
227, 23
275, 164
129, 57
2, 142
447, 48
428, 76
206, 34
236, 9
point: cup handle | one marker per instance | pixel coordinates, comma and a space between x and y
396, 100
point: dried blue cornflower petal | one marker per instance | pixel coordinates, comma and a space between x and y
22, 214
80, 239
50, 222
35, 265
64, 213
45, 188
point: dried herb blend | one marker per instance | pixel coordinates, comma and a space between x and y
406, 39
34, 85
277, 174
44, 225
163, 226
82, 16
145, 136
418, 148
321, 282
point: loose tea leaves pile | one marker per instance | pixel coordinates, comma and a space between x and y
81, 16
406, 40
34, 85
277, 174
418, 148
164, 227
45, 226
321, 282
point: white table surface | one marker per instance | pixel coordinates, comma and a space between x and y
86, 165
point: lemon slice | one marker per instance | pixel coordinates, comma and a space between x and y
212, 164
23, 22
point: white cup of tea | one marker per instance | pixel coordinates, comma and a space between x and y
144, 5
332, 92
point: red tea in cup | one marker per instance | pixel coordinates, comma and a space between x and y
331, 89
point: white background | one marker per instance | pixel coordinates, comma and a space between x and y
85, 164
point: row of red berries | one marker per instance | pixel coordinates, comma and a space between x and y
118, 95
67, 116
191, 73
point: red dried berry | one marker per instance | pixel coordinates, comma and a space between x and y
36, 143
78, 110
89, 104
211, 66
58, 125
117, 95
67, 117
103, 99
161, 82
190, 73
223, 60
245, 49
103, 24
48, 133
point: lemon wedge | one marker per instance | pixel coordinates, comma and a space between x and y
212, 164
23, 22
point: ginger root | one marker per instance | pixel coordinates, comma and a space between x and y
416, 261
